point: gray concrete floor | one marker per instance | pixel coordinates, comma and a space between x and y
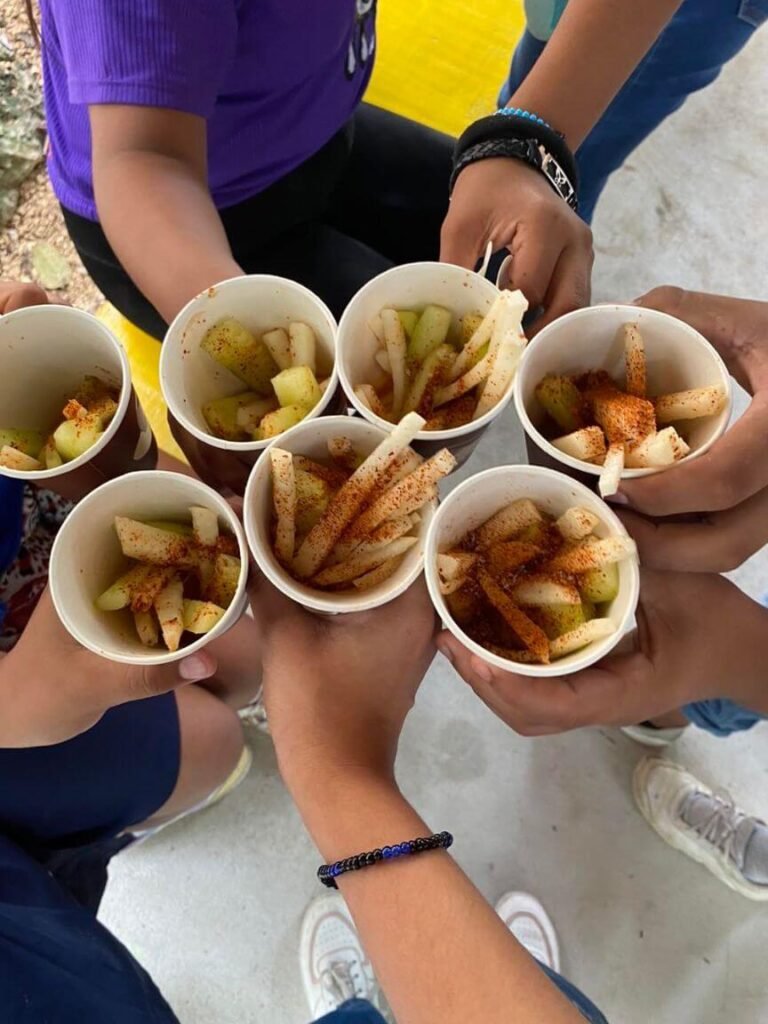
212, 907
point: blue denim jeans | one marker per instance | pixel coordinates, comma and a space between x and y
358, 1011
701, 38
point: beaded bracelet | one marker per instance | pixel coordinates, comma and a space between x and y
519, 112
328, 873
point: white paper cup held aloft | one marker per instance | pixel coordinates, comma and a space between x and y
87, 558
413, 286
45, 352
311, 440
189, 377
678, 358
481, 496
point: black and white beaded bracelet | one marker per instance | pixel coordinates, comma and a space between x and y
328, 873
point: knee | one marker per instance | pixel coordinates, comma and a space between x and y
211, 742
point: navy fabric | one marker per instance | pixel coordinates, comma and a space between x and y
689, 55
11, 495
65, 804
57, 963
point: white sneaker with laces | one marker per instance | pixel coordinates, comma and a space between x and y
532, 927
649, 736
334, 966
662, 789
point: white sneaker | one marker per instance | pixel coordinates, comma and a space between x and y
531, 925
661, 789
334, 966
652, 737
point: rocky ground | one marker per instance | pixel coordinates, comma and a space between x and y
34, 245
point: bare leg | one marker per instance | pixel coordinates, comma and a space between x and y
672, 720
211, 745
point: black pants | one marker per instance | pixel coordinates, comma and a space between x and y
373, 197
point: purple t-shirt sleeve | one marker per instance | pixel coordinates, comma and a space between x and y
152, 53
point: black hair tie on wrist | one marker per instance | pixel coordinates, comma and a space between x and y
328, 873
521, 137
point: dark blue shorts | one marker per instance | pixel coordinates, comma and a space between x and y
66, 805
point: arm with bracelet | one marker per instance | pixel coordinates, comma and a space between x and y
337, 692
515, 178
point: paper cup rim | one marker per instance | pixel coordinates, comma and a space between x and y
245, 446
126, 390
454, 433
631, 311
317, 600
231, 614
591, 654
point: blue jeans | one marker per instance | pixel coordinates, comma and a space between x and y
358, 1011
688, 55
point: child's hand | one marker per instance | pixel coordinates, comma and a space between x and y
504, 201
338, 688
17, 295
698, 638
51, 688
728, 485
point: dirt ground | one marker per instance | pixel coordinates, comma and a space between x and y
38, 218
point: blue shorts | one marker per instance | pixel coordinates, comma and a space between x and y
721, 717
689, 55
66, 805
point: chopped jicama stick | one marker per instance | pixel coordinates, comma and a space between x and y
355, 566
587, 444
284, 499
302, 345
474, 376
690, 405
586, 633
147, 628
367, 396
543, 592
662, 449
595, 555
634, 359
511, 554
382, 358
613, 467
397, 345
279, 347
12, 458
534, 638
382, 572
205, 525
348, 500
576, 523
507, 521
452, 564
169, 605
502, 373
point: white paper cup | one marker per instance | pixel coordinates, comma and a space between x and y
413, 286
311, 439
678, 358
45, 351
86, 559
189, 377
481, 496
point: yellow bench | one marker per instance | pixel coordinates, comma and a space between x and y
438, 63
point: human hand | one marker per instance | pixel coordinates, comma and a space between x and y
225, 471
18, 294
338, 688
511, 204
52, 689
727, 487
698, 638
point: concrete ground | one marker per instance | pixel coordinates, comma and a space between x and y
212, 908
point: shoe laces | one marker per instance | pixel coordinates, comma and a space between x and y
719, 827
343, 980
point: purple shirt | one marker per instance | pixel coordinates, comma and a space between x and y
275, 79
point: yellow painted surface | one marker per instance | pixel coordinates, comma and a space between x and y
438, 62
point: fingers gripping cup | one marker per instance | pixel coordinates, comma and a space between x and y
460, 296
65, 388
219, 388
337, 591
510, 553
675, 407
121, 607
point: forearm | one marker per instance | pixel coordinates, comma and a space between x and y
34, 711
745, 668
159, 218
594, 49
439, 950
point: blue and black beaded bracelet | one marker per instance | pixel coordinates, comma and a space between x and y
328, 873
